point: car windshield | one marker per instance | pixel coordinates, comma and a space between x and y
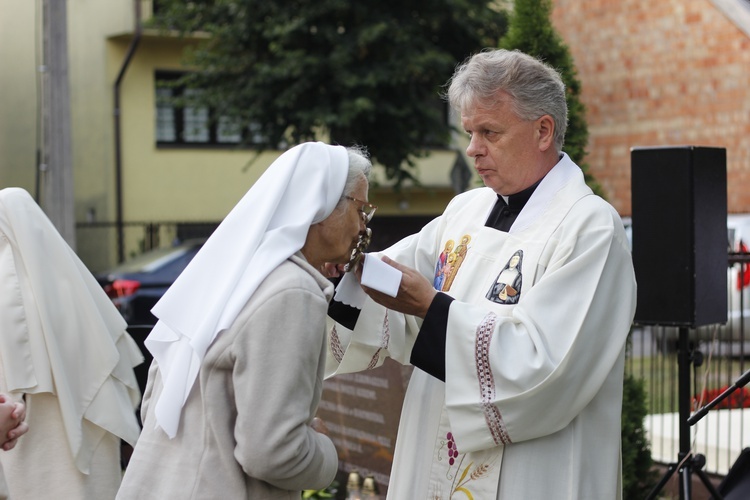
151, 260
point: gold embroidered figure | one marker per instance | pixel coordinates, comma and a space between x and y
460, 254
447, 270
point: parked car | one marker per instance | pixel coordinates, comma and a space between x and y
136, 285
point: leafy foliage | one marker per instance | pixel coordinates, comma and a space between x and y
362, 72
329, 492
530, 30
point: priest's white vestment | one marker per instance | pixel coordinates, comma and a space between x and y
531, 403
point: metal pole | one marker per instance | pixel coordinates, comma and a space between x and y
684, 457
119, 217
57, 196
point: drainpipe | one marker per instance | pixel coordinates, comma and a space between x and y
118, 139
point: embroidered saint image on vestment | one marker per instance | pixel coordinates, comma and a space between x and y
449, 262
507, 286
440, 266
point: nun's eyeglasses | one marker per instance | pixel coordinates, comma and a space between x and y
366, 209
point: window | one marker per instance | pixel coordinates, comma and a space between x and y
192, 125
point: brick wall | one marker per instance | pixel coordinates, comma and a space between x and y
670, 72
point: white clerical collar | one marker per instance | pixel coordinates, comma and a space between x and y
555, 179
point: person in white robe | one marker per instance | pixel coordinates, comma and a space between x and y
514, 395
65, 351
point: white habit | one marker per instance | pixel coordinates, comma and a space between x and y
64, 348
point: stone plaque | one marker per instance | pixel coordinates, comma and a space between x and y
362, 412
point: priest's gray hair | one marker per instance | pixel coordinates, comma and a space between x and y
535, 87
359, 167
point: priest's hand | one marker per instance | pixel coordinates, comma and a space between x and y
415, 293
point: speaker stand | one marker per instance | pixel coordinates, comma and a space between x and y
687, 463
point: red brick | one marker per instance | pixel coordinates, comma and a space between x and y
659, 73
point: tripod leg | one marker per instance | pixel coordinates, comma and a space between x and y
709, 485
670, 470
686, 482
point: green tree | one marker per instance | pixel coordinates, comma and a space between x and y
361, 72
530, 30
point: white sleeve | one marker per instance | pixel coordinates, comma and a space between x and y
379, 332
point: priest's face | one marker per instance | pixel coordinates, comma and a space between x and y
510, 153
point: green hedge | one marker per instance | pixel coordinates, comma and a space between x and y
638, 474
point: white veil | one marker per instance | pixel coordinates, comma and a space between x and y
269, 224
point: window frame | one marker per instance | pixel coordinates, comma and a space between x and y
212, 127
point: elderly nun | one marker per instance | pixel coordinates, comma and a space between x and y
240, 345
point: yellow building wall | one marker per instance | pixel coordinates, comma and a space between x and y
18, 94
194, 184
159, 185
91, 102
429, 197
174, 184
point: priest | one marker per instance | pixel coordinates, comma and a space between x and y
517, 390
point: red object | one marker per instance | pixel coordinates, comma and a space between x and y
121, 288
743, 277
740, 398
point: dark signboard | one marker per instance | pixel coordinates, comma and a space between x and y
362, 411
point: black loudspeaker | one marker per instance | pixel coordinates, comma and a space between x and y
679, 217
